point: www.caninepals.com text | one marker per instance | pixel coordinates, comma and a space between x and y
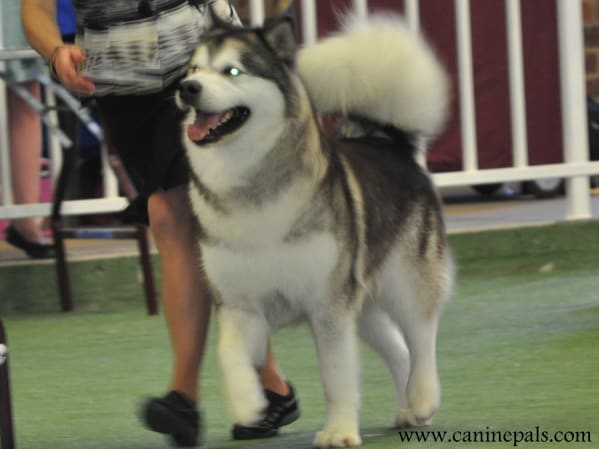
514, 437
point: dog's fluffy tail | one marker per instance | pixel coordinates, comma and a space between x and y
378, 69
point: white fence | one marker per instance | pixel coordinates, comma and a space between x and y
56, 140
576, 167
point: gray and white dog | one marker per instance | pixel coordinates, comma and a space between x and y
343, 232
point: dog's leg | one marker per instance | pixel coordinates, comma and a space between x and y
424, 390
335, 336
419, 326
413, 295
242, 348
382, 334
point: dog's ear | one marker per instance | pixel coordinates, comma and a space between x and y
216, 20
280, 35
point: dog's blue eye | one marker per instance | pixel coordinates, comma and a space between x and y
232, 71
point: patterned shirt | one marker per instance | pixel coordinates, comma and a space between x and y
141, 46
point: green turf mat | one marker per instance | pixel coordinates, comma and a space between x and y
518, 352
96, 284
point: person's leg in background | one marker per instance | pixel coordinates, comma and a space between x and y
25, 132
25, 140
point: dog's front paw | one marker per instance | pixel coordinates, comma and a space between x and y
337, 437
247, 414
424, 397
405, 419
247, 405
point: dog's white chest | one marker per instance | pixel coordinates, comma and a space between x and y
300, 271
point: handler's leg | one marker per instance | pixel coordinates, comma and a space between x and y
186, 304
187, 308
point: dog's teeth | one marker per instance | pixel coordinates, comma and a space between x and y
226, 117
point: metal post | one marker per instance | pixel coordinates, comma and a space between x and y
5, 178
412, 12
256, 12
109, 180
468, 123
574, 119
309, 28
517, 97
54, 143
361, 7
7, 433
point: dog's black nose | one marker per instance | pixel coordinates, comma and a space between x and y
189, 90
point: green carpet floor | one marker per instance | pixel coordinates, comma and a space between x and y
518, 354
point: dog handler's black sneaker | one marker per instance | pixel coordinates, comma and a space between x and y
174, 415
281, 410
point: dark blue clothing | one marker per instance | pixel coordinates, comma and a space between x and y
66, 18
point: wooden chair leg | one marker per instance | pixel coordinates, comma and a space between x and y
62, 269
146, 266
64, 286
7, 433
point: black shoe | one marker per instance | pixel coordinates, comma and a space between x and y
281, 410
32, 249
174, 415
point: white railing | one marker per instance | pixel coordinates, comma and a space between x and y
111, 201
576, 167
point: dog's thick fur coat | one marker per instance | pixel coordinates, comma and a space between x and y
343, 232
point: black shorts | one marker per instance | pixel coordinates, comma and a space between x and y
146, 132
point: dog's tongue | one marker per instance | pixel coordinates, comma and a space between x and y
202, 126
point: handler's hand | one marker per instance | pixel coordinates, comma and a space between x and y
66, 62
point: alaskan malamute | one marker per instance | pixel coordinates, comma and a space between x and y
345, 232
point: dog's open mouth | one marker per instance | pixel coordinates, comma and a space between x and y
210, 128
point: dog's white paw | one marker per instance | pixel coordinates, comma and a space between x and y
247, 406
405, 419
424, 398
337, 437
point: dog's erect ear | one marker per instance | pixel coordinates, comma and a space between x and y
216, 20
280, 35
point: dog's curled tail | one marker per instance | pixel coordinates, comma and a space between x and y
378, 69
